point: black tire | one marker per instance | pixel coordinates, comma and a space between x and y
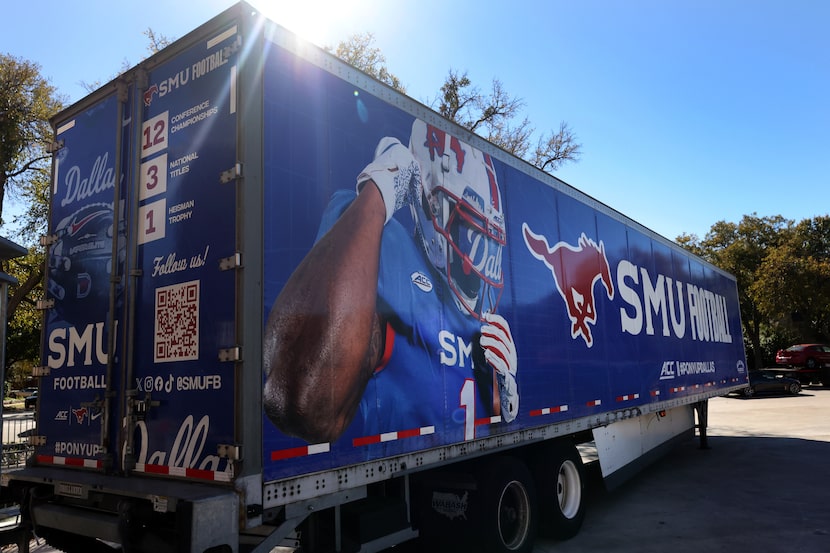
560, 481
811, 364
506, 515
795, 388
749, 391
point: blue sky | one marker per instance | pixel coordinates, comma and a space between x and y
688, 112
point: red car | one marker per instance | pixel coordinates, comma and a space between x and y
810, 359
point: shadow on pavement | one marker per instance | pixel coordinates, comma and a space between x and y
760, 494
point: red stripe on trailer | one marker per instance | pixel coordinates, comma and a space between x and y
391, 436
282, 454
197, 474
488, 420
202, 474
70, 461
366, 440
678, 389
156, 469
548, 410
628, 397
655, 393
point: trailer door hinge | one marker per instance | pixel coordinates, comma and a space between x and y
230, 354
231, 174
229, 451
54, 146
232, 262
42, 305
41, 371
37, 440
141, 406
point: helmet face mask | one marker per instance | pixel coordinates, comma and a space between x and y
459, 218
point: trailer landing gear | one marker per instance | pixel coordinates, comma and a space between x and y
702, 409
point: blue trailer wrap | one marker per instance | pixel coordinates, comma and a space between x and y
604, 314
176, 222
86, 241
282, 297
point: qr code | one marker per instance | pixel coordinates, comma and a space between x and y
177, 322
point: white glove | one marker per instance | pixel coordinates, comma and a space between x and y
500, 353
394, 171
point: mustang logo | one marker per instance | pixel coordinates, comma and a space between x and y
80, 414
575, 271
148, 94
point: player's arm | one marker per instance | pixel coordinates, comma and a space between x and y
323, 339
323, 334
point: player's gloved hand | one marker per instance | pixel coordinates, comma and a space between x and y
394, 171
500, 353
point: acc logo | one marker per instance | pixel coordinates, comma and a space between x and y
422, 281
62, 416
667, 372
575, 270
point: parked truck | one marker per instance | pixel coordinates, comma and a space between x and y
287, 305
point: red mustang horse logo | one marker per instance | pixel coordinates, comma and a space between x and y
80, 414
575, 271
148, 94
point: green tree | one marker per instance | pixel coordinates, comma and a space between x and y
793, 285
358, 51
494, 115
741, 248
27, 101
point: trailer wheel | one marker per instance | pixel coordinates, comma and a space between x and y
560, 481
507, 513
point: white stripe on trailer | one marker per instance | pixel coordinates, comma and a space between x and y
548, 410
628, 397
392, 436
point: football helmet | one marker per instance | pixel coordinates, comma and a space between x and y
80, 261
459, 217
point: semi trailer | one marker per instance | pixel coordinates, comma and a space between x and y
287, 305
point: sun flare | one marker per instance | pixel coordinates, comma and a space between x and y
323, 22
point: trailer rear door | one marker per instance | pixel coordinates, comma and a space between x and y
145, 266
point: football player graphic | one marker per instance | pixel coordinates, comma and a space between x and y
392, 314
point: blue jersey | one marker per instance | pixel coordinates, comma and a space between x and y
431, 346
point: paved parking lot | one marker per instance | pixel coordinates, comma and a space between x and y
762, 487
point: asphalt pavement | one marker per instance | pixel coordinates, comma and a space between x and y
761, 487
